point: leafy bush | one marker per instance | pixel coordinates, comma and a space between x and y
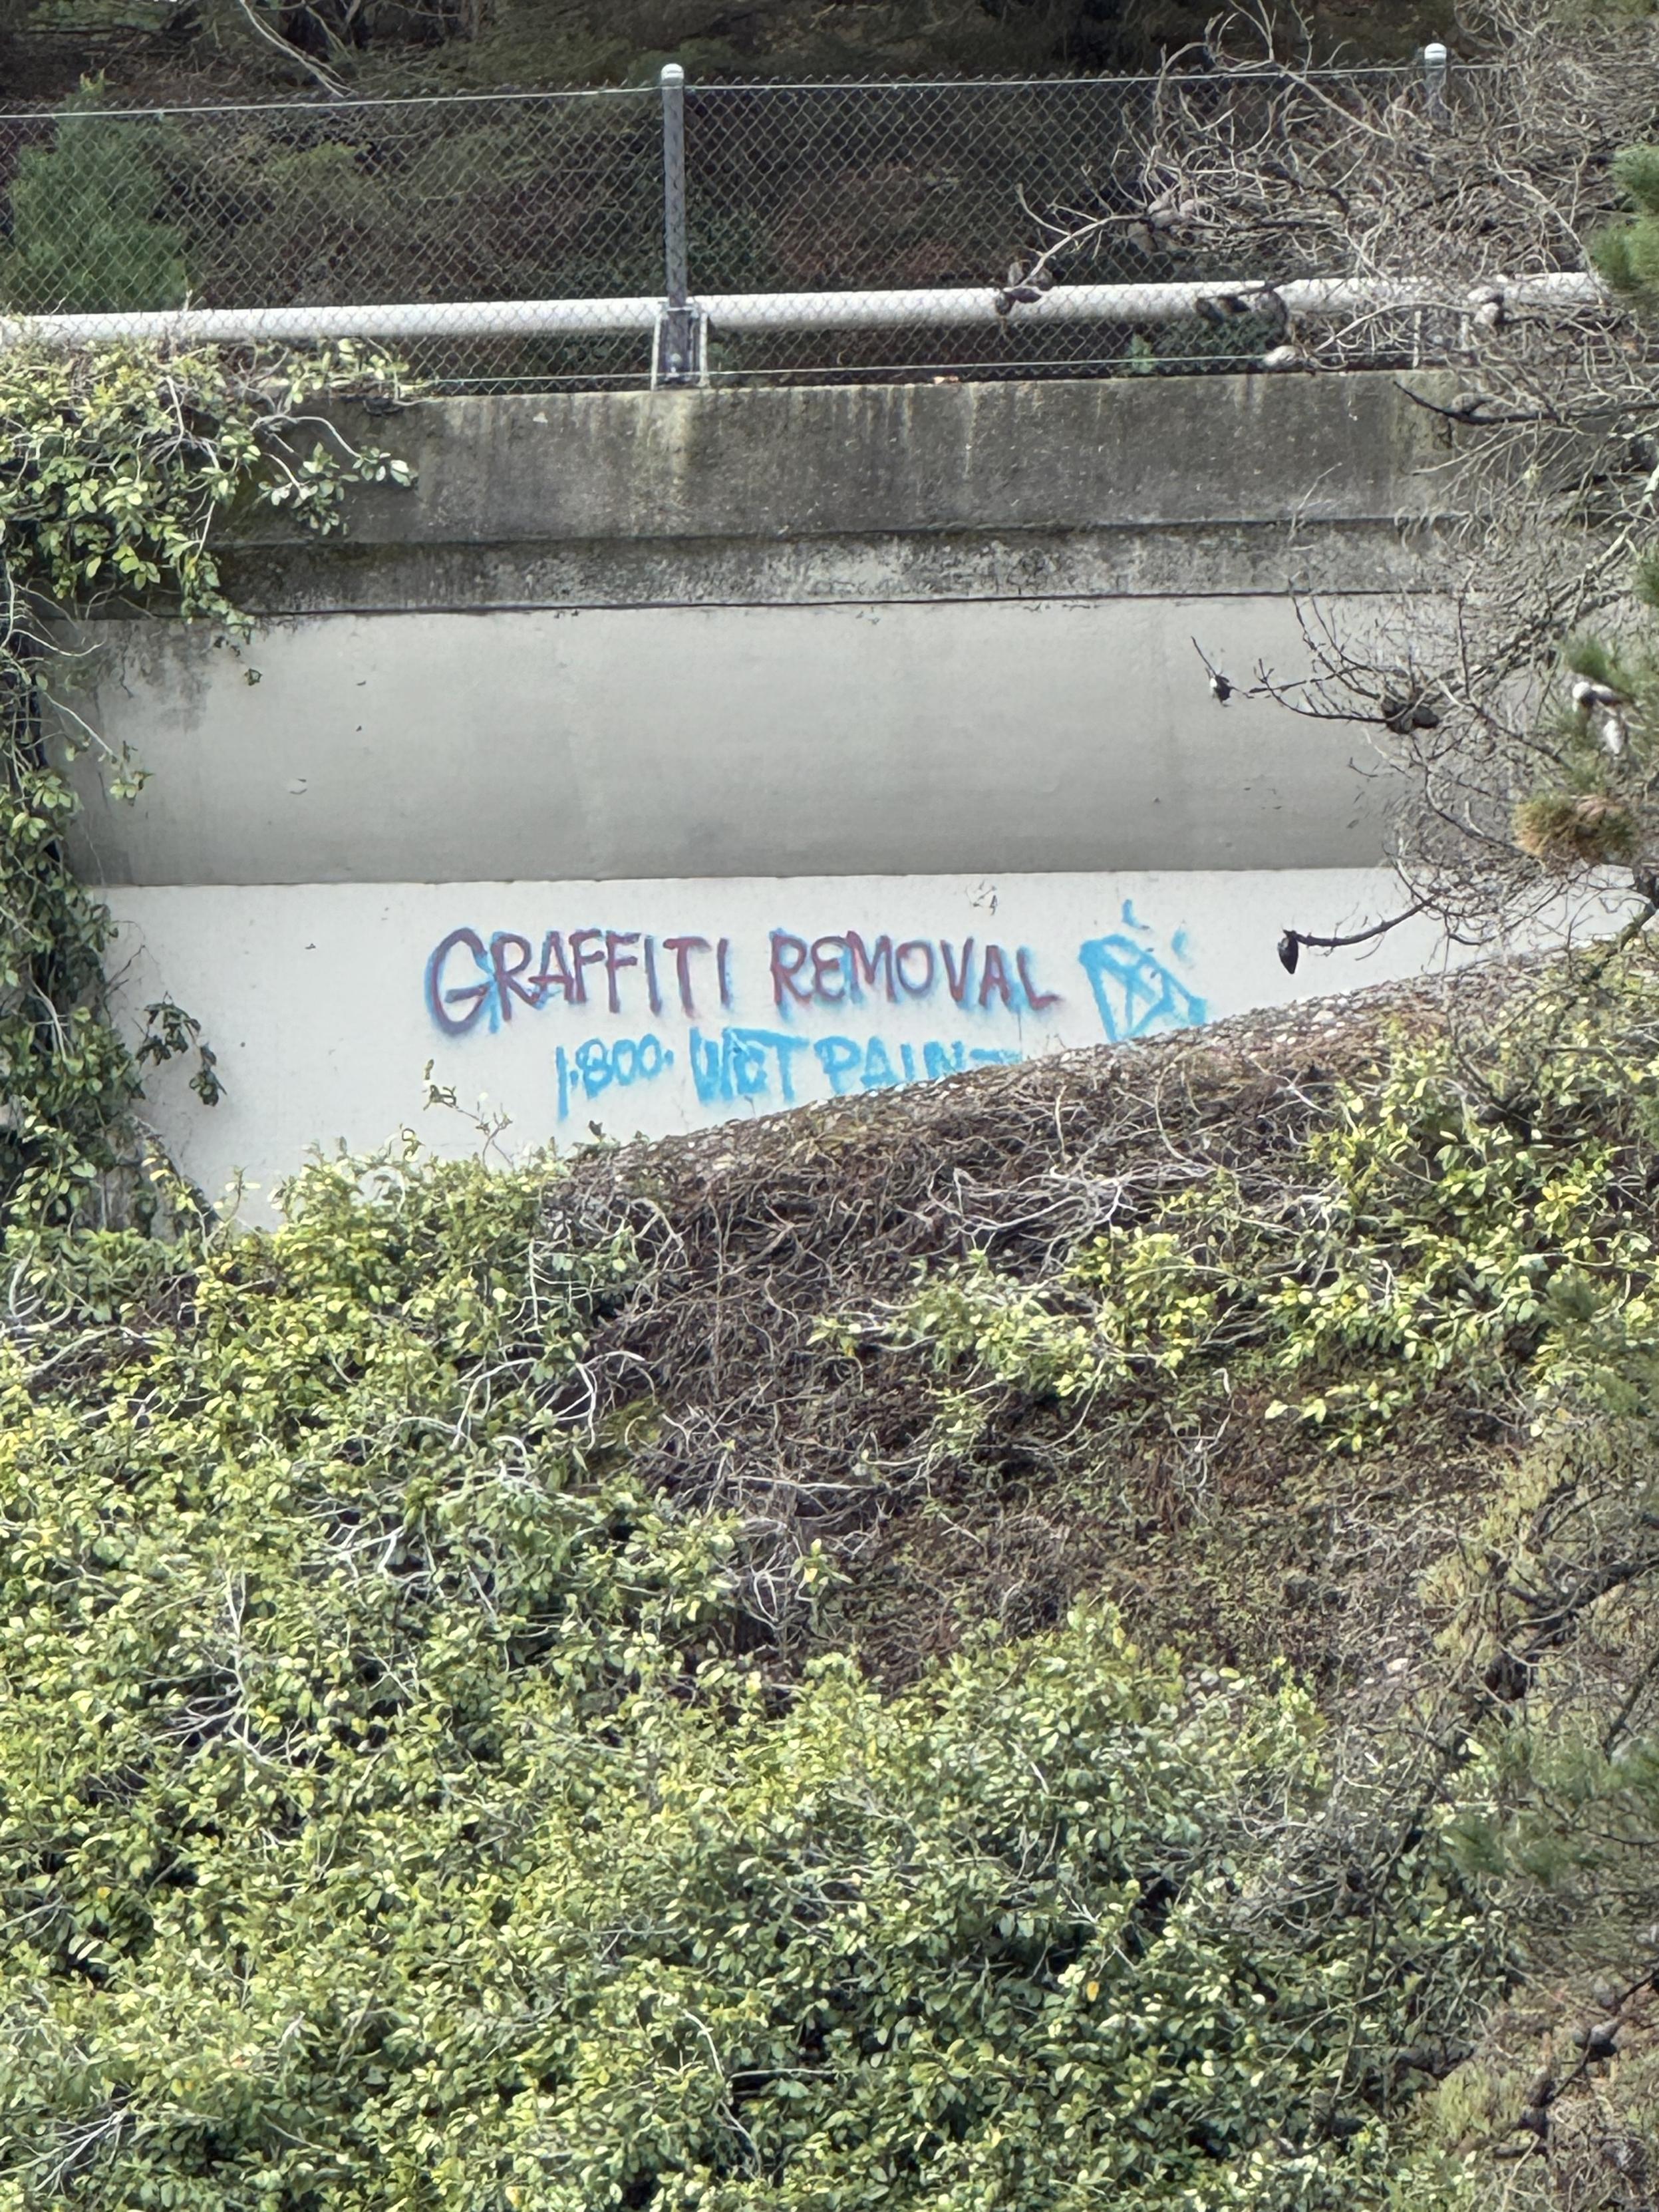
389, 1815
1431, 1234
116, 468
88, 231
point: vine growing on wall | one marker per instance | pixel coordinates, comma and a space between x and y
118, 467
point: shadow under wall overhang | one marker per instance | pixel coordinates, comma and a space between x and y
926, 736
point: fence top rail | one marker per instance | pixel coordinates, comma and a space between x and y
1250, 72
326, 104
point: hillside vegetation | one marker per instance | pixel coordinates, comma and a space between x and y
156, 51
1083, 1635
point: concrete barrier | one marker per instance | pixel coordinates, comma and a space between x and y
627, 1007
648, 666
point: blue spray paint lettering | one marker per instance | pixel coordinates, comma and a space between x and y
849, 1065
1134, 992
441, 994
596, 1065
845, 969
743, 1063
622, 962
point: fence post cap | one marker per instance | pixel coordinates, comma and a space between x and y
1434, 53
673, 73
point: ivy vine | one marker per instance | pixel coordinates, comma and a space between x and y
118, 467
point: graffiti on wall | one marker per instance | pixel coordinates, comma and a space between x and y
756, 1020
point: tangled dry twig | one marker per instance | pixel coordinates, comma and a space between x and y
775, 1256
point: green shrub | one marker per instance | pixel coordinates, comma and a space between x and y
388, 1817
89, 232
1416, 1244
119, 468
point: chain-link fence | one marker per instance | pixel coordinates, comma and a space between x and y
351, 204
861, 196
915, 188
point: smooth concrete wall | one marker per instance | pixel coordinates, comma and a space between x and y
667, 1005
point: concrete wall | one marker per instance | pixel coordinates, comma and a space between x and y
873, 739
837, 631
623, 662
657, 1006
909, 491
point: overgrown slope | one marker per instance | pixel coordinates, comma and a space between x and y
1196, 1323
154, 53
631, 1681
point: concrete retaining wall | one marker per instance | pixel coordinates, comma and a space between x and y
873, 739
621, 659
830, 632
657, 1006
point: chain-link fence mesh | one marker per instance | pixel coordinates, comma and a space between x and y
890, 188
912, 188
351, 204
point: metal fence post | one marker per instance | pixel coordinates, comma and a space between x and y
676, 335
1435, 61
